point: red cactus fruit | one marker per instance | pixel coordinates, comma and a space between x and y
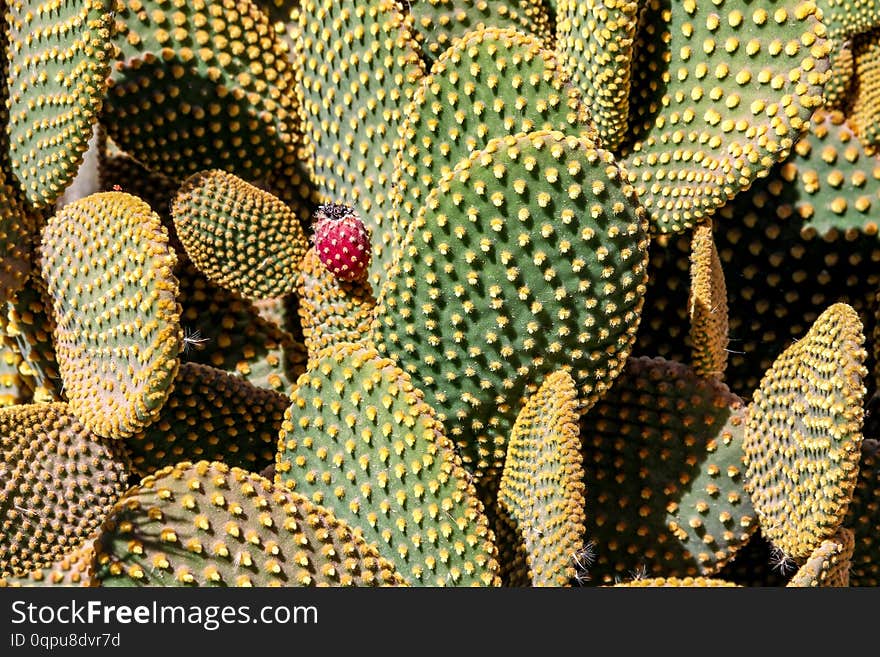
342, 241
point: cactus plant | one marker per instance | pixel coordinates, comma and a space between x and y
707, 305
829, 564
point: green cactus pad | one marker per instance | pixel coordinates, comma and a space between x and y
679, 582
841, 76
358, 68
242, 238
720, 93
595, 40
863, 516
829, 564
225, 331
108, 268
206, 524
438, 23
201, 85
59, 60
707, 306
663, 456
542, 487
58, 481
804, 433
332, 310
866, 105
529, 256
491, 83
211, 415
847, 18
360, 439
73, 569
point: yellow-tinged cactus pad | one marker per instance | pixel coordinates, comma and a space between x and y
528, 257
804, 434
108, 267
14, 386
16, 228
211, 415
840, 78
847, 18
720, 92
438, 23
663, 456
332, 310
57, 482
595, 40
241, 237
829, 564
206, 524
358, 68
542, 485
73, 569
707, 305
59, 59
866, 104
360, 440
491, 83
863, 517
686, 582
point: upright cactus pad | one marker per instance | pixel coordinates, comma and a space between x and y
866, 105
242, 238
528, 257
595, 40
542, 485
211, 415
720, 92
360, 440
491, 83
804, 434
205, 524
840, 78
829, 564
707, 305
663, 456
57, 482
108, 268
59, 59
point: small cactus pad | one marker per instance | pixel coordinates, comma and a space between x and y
59, 58
57, 481
866, 105
15, 237
73, 569
679, 582
863, 516
211, 415
840, 78
529, 256
542, 489
206, 524
720, 92
829, 564
847, 18
595, 40
804, 434
242, 238
358, 69
489, 84
665, 476
707, 306
341, 241
331, 310
360, 440
201, 85
108, 268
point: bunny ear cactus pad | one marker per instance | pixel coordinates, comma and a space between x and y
489, 84
542, 489
206, 524
707, 305
829, 564
866, 105
73, 569
358, 69
841, 77
679, 582
595, 39
663, 457
108, 268
360, 440
57, 482
720, 93
16, 228
243, 238
529, 256
804, 434
59, 59
211, 415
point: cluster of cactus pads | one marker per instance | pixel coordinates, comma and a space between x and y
439, 293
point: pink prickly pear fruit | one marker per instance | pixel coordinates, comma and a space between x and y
342, 241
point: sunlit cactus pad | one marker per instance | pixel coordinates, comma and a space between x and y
57, 483
205, 524
108, 268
